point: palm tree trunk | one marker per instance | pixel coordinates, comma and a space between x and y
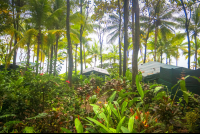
33, 53
28, 55
133, 41
55, 51
161, 56
156, 34
188, 36
195, 38
95, 59
69, 45
120, 55
66, 66
84, 56
81, 32
145, 51
48, 61
51, 60
38, 48
126, 4
41, 62
75, 57
137, 41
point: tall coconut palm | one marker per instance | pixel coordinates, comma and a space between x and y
39, 10
162, 22
94, 51
69, 44
126, 16
195, 46
195, 28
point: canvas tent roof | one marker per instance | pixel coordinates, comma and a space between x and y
23, 63
96, 70
152, 68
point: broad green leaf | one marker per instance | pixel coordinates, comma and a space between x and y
95, 108
120, 124
78, 125
113, 109
65, 130
124, 129
157, 89
113, 130
124, 104
190, 95
139, 88
154, 85
183, 88
195, 78
28, 130
7, 115
139, 104
133, 100
131, 123
98, 123
112, 97
102, 115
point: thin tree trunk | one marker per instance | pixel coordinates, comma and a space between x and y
169, 60
120, 55
15, 42
145, 51
156, 33
69, 45
188, 36
75, 58
48, 61
81, 32
176, 61
55, 51
126, 4
133, 41
84, 56
95, 59
33, 53
166, 58
51, 60
41, 61
66, 66
28, 55
38, 48
161, 56
11, 41
195, 38
137, 41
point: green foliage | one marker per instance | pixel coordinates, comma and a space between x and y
148, 109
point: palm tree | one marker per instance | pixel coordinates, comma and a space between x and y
195, 47
94, 51
195, 29
126, 16
162, 22
69, 44
39, 10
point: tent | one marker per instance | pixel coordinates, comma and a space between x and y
151, 70
169, 75
95, 70
23, 63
